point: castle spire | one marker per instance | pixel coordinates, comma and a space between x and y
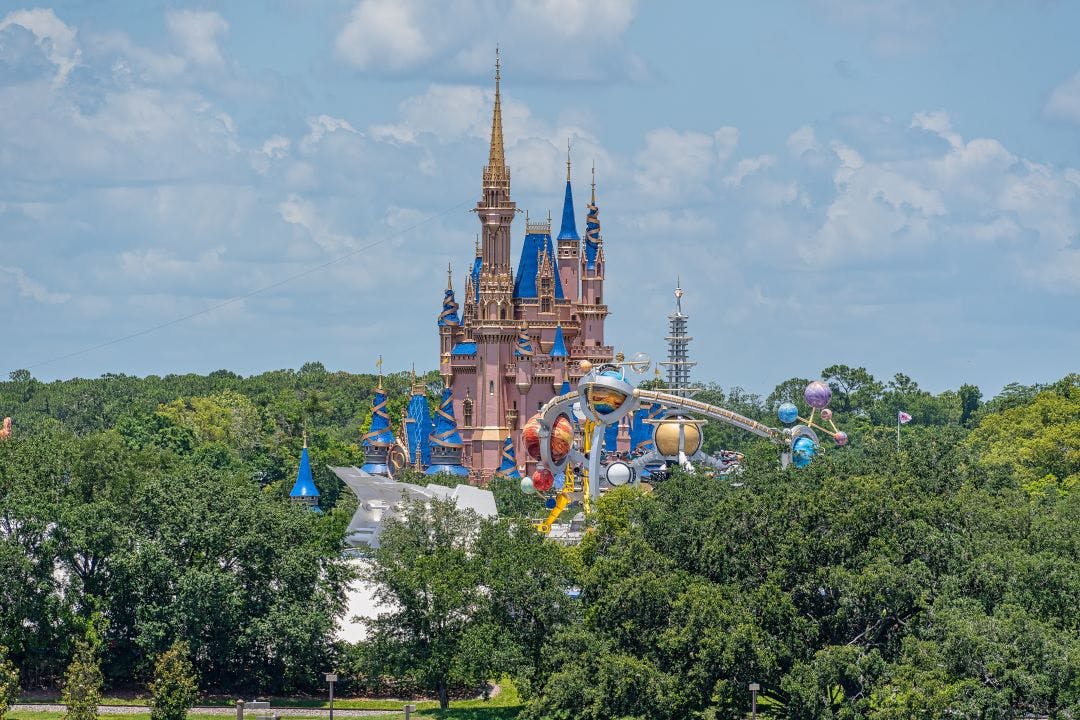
496, 156
592, 227
568, 231
449, 315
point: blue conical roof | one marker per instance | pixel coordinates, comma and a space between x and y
558, 348
449, 314
508, 468
304, 487
446, 429
446, 440
380, 432
565, 388
478, 264
524, 346
569, 226
592, 234
418, 428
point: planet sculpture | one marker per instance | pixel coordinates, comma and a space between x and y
802, 451
787, 412
666, 437
826, 414
527, 485
840, 437
817, 394
605, 400
562, 436
543, 480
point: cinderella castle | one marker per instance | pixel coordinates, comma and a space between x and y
516, 339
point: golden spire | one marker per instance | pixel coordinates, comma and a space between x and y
378, 369
305, 438
496, 157
477, 244
567, 159
449, 276
593, 180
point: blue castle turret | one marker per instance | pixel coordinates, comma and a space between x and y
379, 438
445, 440
418, 426
304, 490
558, 347
508, 468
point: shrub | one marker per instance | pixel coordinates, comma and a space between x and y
82, 682
174, 688
9, 682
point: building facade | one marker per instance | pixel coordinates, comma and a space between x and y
522, 328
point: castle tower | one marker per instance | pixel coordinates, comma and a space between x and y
379, 438
678, 363
569, 242
449, 324
445, 440
592, 309
304, 491
418, 427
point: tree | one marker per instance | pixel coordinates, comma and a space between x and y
439, 631
854, 389
173, 690
9, 682
83, 680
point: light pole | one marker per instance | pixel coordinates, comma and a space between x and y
754, 687
331, 678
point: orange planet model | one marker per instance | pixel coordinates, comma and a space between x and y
562, 435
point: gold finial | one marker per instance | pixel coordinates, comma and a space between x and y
477, 244
378, 369
449, 276
567, 159
496, 156
305, 438
619, 357
656, 374
594, 182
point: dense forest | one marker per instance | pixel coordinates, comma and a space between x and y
940, 578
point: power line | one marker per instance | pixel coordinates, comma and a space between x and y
252, 293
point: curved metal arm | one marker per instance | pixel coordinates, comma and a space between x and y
716, 413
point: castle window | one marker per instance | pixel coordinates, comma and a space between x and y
491, 387
466, 412
545, 305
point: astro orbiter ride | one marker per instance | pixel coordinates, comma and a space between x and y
604, 396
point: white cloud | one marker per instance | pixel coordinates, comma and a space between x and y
674, 163
747, 167
384, 34
196, 32
30, 288
1064, 101
319, 127
568, 39
55, 38
157, 265
802, 141
303, 214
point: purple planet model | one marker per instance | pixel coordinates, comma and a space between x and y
840, 438
817, 394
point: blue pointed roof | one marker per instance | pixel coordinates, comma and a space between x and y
465, 347
478, 263
508, 468
449, 314
524, 346
380, 432
418, 428
568, 231
592, 233
529, 264
445, 432
558, 348
565, 388
304, 487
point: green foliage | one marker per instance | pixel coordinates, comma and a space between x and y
174, 688
1037, 443
9, 682
467, 605
83, 681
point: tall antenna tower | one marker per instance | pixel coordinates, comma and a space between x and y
678, 363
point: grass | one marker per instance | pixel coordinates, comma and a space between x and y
504, 706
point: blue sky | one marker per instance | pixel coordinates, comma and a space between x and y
889, 184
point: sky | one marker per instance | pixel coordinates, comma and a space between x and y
251, 186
